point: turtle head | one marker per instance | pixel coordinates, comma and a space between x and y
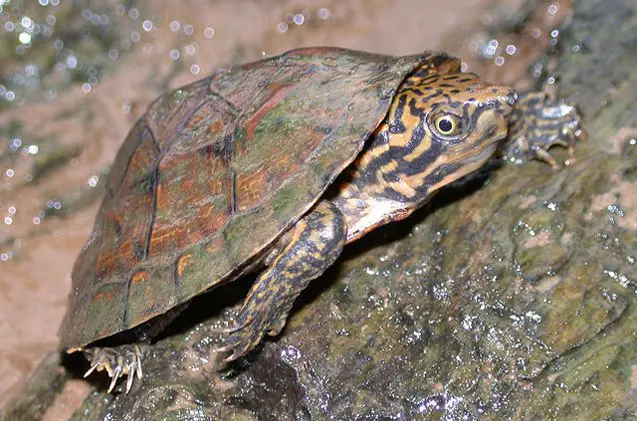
445, 126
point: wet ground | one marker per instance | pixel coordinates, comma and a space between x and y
75, 75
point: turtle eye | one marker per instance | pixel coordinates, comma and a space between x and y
447, 125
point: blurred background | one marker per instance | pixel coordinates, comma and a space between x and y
76, 74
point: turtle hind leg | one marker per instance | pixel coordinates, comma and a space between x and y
316, 242
119, 361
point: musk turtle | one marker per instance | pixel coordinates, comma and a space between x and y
274, 166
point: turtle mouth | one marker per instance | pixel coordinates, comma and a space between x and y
497, 137
481, 152
490, 146
485, 153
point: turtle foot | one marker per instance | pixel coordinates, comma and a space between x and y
120, 361
539, 122
250, 326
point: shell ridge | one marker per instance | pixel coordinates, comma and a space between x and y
151, 223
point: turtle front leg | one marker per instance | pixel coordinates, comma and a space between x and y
316, 242
538, 122
119, 361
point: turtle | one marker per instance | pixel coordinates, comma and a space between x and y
273, 167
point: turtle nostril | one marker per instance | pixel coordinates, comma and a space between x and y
512, 98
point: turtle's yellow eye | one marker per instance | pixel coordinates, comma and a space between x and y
447, 125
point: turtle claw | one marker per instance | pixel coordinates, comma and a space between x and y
138, 369
234, 328
233, 355
237, 351
235, 346
90, 370
118, 362
116, 374
544, 156
129, 382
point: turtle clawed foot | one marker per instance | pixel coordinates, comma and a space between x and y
124, 360
249, 328
242, 337
540, 122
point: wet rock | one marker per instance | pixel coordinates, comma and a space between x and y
39, 393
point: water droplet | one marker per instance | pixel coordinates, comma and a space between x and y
209, 32
26, 22
24, 38
552, 9
92, 181
71, 62
147, 25
174, 54
298, 19
188, 29
290, 354
194, 69
491, 48
174, 26
190, 49
323, 13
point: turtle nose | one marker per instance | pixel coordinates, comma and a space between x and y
507, 99
512, 98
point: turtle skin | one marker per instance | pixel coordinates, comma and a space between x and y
276, 166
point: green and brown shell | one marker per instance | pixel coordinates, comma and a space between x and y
215, 171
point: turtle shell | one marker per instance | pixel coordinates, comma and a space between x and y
215, 171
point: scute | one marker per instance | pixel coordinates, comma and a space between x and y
216, 171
